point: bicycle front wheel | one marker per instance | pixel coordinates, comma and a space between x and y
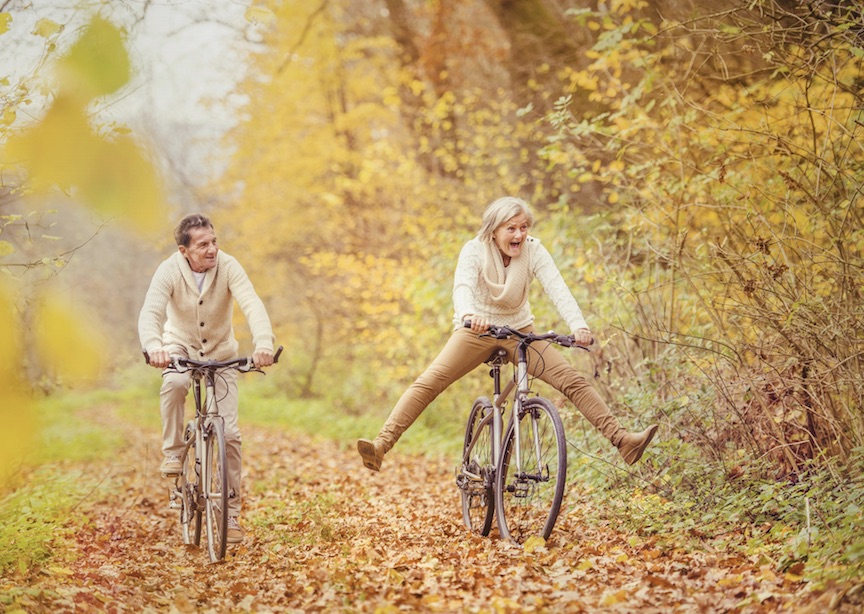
216, 491
189, 485
476, 475
531, 477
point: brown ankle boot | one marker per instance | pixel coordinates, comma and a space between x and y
371, 454
632, 445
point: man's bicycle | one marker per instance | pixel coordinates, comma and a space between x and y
519, 471
201, 488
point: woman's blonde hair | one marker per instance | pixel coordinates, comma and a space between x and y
499, 212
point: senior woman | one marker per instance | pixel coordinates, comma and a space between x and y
490, 287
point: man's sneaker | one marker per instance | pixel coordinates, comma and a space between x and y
235, 531
170, 466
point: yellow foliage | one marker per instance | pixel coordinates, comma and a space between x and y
623, 7
19, 424
585, 565
534, 543
259, 14
47, 28
66, 342
111, 176
613, 598
97, 64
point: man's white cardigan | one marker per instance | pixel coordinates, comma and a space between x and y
177, 315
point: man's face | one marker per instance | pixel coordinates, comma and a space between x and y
202, 249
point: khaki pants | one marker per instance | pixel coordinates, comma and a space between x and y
465, 351
172, 400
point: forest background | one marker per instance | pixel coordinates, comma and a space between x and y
696, 174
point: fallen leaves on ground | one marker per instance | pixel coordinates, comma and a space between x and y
324, 534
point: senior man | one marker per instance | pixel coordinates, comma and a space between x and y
187, 312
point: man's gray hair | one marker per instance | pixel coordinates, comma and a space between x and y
193, 220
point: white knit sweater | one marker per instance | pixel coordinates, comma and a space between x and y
471, 297
176, 314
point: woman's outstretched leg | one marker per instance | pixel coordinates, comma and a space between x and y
461, 354
549, 365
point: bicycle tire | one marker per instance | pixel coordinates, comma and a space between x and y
528, 505
190, 489
216, 491
476, 475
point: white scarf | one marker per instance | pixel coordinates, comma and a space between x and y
508, 288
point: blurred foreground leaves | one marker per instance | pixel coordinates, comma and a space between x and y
18, 421
105, 171
111, 175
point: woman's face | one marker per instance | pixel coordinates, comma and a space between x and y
510, 236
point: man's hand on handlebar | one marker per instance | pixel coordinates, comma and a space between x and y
159, 358
263, 358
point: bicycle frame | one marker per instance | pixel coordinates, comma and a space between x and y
205, 414
499, 402
512, 460
519, 382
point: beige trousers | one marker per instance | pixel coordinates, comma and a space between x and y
172, 400
465, 351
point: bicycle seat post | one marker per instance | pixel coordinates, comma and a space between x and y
522, 366
495, 361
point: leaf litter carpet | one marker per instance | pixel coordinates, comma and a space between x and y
324, 534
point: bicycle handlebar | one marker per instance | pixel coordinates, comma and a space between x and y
244, 363
505, 332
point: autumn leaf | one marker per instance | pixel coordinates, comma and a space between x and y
46, 28
259, 14
97, 64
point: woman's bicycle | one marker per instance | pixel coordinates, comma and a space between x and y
201, 488
519, 471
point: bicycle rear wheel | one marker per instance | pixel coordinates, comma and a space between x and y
216, 491
528, 498
189, 485
476, 474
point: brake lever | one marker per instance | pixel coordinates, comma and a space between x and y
567, 341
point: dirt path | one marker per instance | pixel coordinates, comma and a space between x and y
326, 535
